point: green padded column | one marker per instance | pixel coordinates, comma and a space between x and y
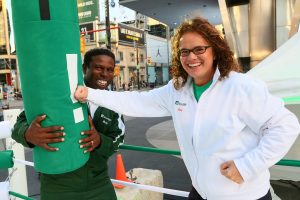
48, 52
6, 159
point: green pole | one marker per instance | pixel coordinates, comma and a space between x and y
20, 196
6, 159
148, 149
292, 163
291, 100
283, 162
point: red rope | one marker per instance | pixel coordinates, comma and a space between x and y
92, 31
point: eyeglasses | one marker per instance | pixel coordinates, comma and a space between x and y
197, 51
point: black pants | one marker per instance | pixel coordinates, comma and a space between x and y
195, 196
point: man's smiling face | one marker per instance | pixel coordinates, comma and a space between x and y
100, 72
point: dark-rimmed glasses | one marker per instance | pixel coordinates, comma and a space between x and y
197, 51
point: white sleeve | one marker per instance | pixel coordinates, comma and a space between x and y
276, 127
154, 103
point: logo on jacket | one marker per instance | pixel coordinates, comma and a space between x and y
179, 109
179, 103
106, 120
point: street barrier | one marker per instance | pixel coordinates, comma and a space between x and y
294, 163
283, 162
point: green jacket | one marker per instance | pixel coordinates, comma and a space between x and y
90, 182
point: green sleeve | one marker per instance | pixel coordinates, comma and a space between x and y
19, 130
113, 137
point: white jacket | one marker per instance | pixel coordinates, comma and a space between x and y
235, 119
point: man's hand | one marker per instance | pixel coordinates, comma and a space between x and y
41, 137
229, 170
92, 140
81, 93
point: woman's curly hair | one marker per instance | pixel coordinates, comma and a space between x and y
224, 58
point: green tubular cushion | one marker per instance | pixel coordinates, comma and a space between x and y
6, 159
42, 47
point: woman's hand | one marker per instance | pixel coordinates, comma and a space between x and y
229, 170
81, 93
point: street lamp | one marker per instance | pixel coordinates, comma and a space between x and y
108, 34
137, 63
138, 75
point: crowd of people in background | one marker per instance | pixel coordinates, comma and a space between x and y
130, 85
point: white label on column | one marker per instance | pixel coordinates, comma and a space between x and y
4, 190
72, 74
78, 115
5, 129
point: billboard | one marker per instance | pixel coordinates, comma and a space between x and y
87, 10
157, 49
129, 34
89, 37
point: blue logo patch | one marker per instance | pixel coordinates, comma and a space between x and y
179, 103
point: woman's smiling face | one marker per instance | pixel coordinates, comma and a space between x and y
199, 67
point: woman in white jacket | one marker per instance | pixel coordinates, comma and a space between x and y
229, 128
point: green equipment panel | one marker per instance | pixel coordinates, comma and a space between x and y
47, 43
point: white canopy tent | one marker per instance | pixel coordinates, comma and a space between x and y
281, 70
281, 73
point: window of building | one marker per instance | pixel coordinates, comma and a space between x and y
141, 58
132, 57
121, 56
158, 30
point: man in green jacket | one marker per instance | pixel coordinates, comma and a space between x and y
90, 182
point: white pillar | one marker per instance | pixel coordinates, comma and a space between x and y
18, 181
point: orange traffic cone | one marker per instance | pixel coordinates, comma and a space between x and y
120, 172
